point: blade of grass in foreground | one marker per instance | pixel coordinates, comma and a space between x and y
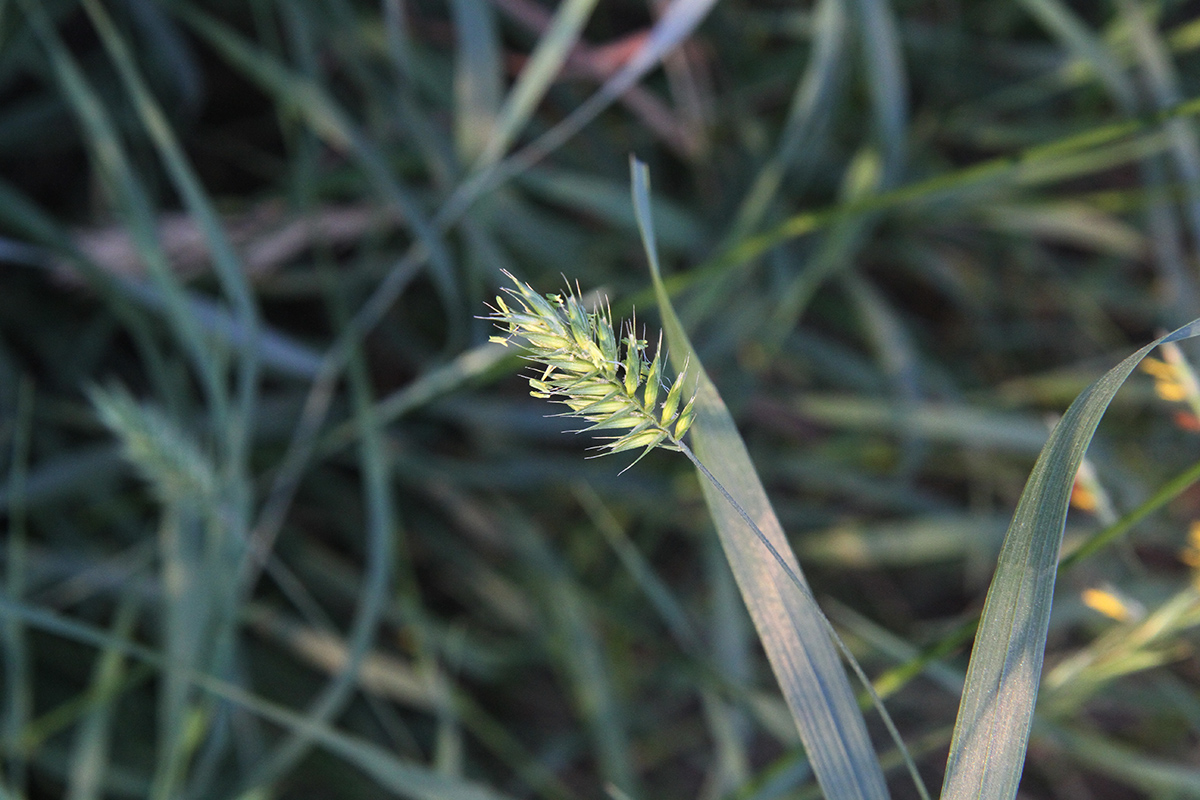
992, 731
793, 631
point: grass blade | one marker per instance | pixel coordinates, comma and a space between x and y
18, 702
402, 777
987, 753
479, 72
534, 81
91, 751
808, 117
228, 266
886, 82
792, 629
111, 160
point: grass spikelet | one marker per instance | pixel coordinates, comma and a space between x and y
167, 458
613, 386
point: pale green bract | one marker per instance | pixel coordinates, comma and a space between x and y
611, 383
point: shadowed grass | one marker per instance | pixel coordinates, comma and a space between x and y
320, 542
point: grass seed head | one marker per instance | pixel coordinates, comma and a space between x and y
605, 380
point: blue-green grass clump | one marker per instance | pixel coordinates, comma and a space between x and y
610, 383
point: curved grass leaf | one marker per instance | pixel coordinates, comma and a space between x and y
792, 629
992, 731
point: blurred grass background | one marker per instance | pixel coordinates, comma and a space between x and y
279, 523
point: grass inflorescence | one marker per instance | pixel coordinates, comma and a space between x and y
612, 384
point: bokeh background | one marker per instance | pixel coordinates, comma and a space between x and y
279, 522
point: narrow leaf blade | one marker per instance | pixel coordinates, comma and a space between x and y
991, 734
789, 624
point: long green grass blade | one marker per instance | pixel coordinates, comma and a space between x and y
987, 753
791, 627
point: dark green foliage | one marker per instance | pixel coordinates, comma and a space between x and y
278, 517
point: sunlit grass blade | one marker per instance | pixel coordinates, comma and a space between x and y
992, 732
792, 629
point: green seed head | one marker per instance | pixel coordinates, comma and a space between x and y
608, 382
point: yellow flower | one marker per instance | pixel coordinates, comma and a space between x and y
1174, 380
1083, 498
1111, 604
